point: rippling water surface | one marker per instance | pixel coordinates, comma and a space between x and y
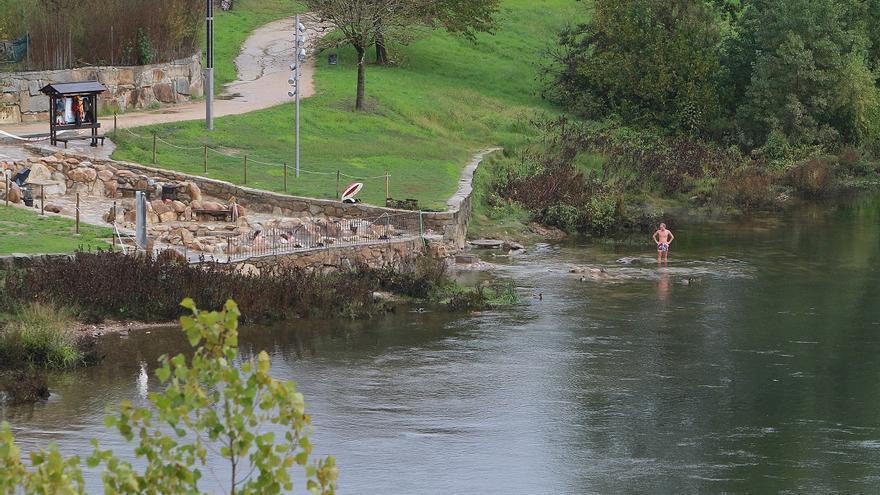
751, 364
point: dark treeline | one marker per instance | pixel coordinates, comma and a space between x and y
775, 74
72, 33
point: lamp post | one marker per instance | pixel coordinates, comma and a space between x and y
299, 33
209, 70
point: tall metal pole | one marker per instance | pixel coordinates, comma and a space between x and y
297, 48
209, 71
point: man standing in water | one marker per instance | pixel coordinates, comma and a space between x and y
663, 238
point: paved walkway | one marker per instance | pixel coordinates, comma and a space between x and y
262, 83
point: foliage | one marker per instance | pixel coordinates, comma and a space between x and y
218, 407
426, 117
69, 33
113, 285
645, 61
812, 178
754, 73
39, 335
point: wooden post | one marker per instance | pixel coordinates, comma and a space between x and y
114, 121
337, 185
206, 159
42, 200
77, 212
387, 189
154, 148
285, 176
6, 178
245, 169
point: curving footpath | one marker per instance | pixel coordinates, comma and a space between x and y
263, 71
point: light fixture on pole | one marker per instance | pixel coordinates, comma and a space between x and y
209, 69
299, 38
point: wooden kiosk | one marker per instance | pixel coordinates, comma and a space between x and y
74, 106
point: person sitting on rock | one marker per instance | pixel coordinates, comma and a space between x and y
259, 240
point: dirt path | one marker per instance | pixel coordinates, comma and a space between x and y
262, 83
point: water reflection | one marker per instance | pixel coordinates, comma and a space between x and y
747, 365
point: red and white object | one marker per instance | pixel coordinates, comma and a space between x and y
351, 191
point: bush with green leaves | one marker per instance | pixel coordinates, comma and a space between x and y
217, 410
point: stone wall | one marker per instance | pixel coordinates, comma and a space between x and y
339, 258
128, 87
451, 224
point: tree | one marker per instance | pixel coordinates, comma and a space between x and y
802, 54
462, 17
208, 406
648, 62
360, 23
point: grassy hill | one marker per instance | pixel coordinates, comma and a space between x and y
445, 99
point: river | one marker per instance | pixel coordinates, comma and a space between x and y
751, 364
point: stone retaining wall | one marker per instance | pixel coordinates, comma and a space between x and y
342, 258
451, 224
133, 87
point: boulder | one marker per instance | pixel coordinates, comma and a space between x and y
40, 171
168, 216
178, 206
196, 204
152, 218
110, 188
162, 208
105, 175
82, 174
52, 208
185, 235
14, 193
195, 194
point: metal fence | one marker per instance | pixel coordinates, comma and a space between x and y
323, 233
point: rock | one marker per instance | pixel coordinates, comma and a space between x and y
110, 188
40, 171
185, 235
130, 216
196, 204
248, 270
547, 232
195, 194
14, 194
152, 218
105, 175
82, 175
187, 214
168, 216
512, 246
178, 206
210, 205
52, 208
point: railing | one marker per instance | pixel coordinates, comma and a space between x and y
323, 233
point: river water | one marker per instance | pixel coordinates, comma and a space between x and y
751, 364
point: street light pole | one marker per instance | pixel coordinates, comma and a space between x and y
209, 70
298, 46
299, 40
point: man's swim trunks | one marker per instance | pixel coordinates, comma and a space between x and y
663, 247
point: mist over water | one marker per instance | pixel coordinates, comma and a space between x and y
749, 364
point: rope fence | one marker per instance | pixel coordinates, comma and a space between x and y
244, 159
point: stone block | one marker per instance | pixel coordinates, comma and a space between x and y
182, 85
164, 93
34, 87
10, 114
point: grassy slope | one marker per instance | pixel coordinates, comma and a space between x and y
25, 231
447, 99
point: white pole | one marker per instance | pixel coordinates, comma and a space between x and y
298, 88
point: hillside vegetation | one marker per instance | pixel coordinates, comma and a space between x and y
444, 99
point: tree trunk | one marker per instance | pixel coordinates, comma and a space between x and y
381, 50
359, 102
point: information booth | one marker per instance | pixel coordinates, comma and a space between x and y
74, 106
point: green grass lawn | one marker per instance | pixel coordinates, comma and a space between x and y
446, 99
25, 231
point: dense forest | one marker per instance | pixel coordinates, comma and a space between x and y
724, 104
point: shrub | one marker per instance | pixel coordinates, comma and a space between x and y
748, 189
39, 335
813, 178
113, 285
206, 406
